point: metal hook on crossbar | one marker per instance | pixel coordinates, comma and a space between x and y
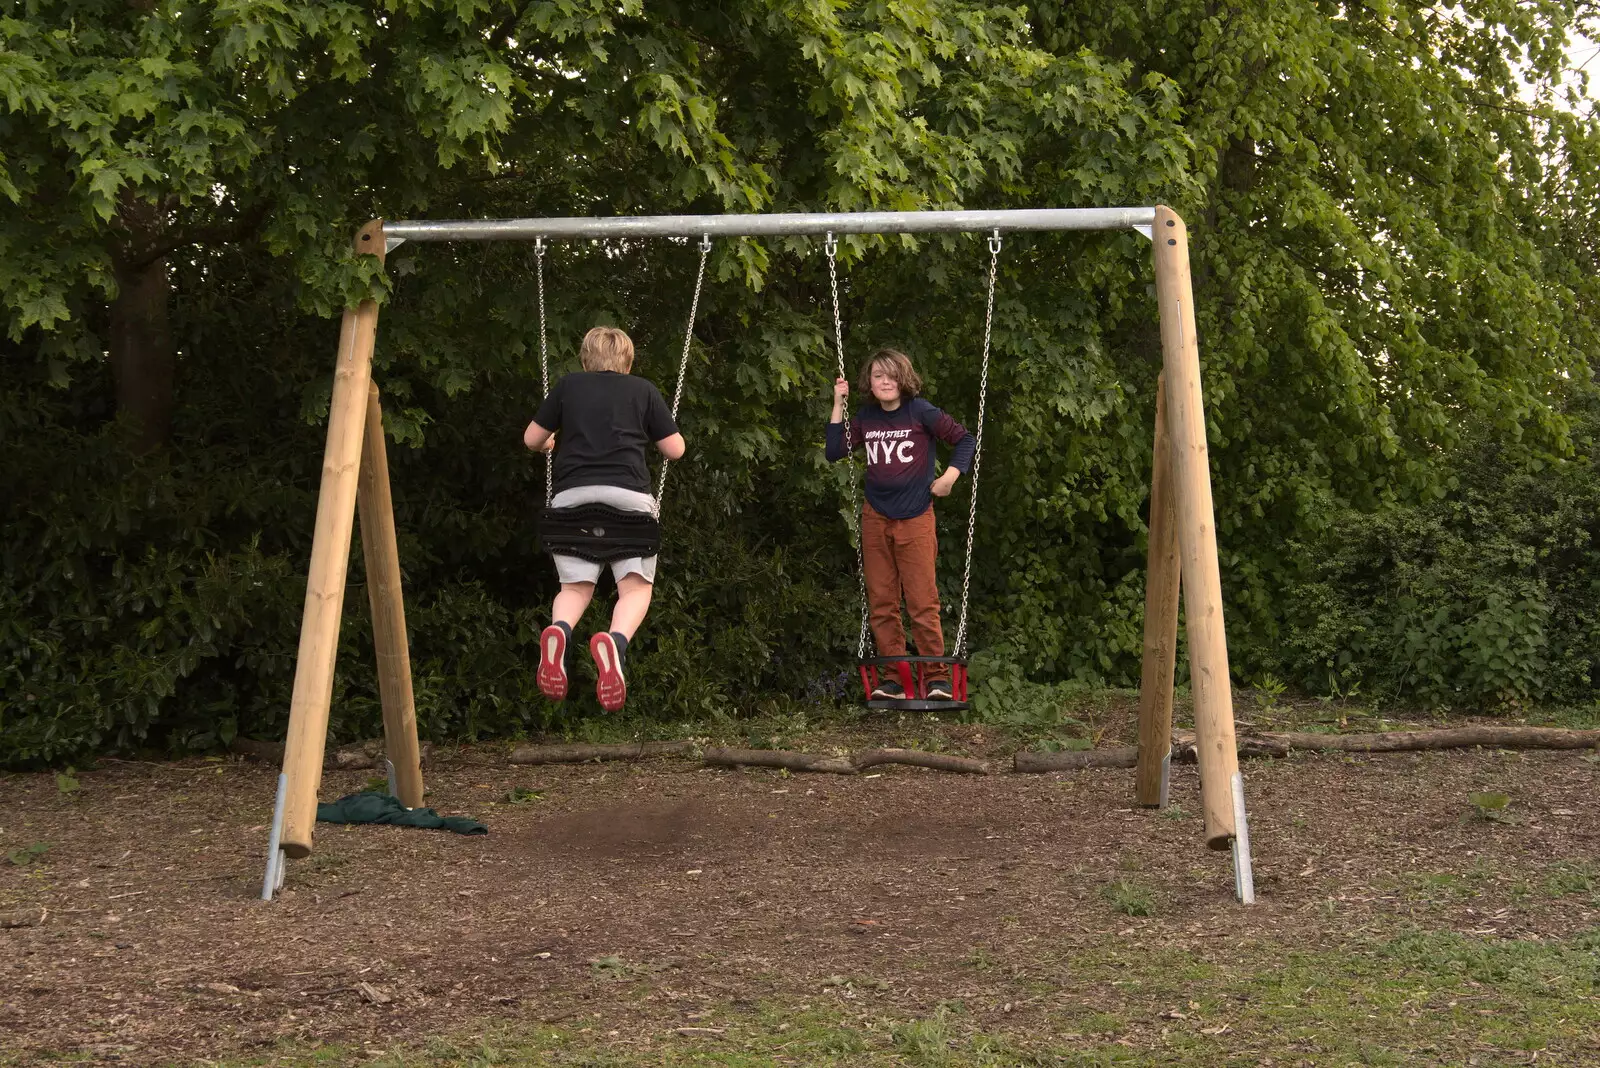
705, 242
538, 247
830, 245
994, 243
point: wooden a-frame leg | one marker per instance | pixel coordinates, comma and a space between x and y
382, 556
1162, 583
330, 561
1215, 745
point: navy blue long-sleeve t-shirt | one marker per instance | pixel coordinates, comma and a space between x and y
899, 447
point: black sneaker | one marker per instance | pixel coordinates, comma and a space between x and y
888, 690
939, 690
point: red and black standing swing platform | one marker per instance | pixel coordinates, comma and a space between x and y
912, 672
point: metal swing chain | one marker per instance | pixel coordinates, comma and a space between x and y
831, 246
544, 368
977, 451
683, 365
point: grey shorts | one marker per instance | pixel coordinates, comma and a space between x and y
577, 569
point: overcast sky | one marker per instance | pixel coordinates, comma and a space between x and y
1584, 54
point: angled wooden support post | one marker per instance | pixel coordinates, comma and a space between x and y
1162, 583
1221, 791
330, 560
382, 555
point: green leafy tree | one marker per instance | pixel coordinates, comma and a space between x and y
1393, 233
134, 133
1391, 249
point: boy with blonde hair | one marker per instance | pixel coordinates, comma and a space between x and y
606, 416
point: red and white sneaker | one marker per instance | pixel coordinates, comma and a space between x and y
611, 688
553, 663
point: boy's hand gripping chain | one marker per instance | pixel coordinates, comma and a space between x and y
831, 246
977, 450
683, 364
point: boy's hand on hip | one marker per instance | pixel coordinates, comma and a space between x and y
945, 483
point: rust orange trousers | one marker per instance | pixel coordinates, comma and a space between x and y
901, 556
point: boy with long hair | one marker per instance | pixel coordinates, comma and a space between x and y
899, 546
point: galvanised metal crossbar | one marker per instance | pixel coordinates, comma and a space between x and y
852, 222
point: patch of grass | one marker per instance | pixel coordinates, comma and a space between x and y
980, 959
925, 1042
613, 968
28, 854
1102, 1023
1425, 997
1567, 879
1050, 741
1130, 898
1577, 718
1435, 886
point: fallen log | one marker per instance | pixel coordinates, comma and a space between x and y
577, 754
723, 756
871, 758
1282, 743
849, 764
352, 757
1487, 737
1072, 760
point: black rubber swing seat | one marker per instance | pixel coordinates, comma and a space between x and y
915, 682
599, 533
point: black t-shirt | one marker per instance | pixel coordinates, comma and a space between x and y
606, 419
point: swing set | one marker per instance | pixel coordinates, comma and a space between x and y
1182, 533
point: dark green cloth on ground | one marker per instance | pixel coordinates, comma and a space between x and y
370, 806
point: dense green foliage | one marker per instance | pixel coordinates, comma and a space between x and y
1491, 593
1393, 269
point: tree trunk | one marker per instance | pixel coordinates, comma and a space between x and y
143, 359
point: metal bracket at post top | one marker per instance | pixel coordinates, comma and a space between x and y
275, 854
1244, 879
1145, 230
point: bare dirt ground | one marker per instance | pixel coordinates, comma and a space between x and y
720, 887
